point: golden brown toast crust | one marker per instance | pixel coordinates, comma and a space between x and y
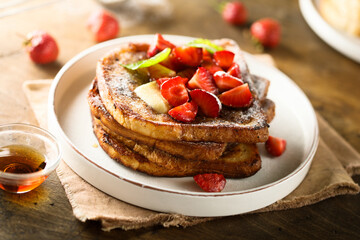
116, 86
242, 160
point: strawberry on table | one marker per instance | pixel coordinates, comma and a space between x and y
103, 25
224, 81
209, 104
202, 79
174, 91
224, 58
275, 146
185, 112
211, 182
158, 45
41, 47
267, 31
237, 97
234, 70
190, 56
234, 13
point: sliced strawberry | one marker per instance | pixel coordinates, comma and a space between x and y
211, 182
160, 81
224, 58
159, 71
185, 112
159, 44
209, 104
206, 55
211, 66
202, 79
190, 56
187, 73
275, 146
237, 97
172, 63
225, 81
174, 91
234, 70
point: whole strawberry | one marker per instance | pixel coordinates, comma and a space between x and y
266, 31
234, 13
103, 25
42, 47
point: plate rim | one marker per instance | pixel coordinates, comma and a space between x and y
84, 53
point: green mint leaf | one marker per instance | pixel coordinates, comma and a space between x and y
205, 43
161, 56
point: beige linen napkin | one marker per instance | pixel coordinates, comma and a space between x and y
333, 165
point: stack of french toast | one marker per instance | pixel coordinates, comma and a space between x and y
149, 122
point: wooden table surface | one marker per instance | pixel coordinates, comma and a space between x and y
330, 80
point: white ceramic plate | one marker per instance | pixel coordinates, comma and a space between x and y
341, 41
69, 120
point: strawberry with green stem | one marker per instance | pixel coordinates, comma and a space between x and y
41, 47
267, 32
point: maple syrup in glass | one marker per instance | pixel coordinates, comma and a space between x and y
21, 159
28, 155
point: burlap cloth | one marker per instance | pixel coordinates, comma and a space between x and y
330, 175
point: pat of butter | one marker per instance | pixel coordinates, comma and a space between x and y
150, 93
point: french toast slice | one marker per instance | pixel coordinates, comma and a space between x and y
117, 84
238, 161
